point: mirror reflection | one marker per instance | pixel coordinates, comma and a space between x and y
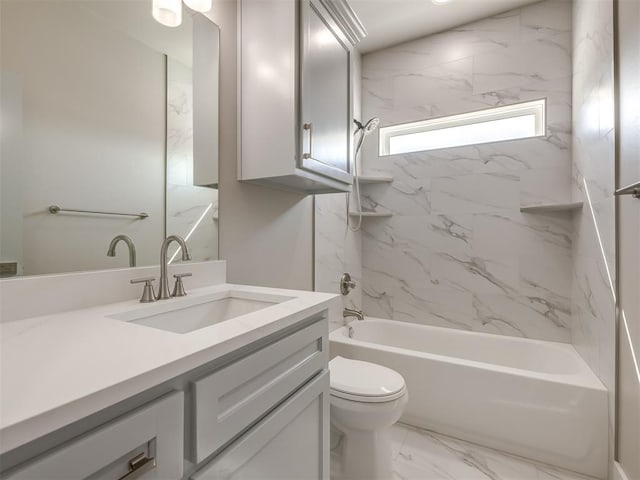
109, 135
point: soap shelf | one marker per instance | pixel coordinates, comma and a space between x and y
371, 214
551, 207
372, 179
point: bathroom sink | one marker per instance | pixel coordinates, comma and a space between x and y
184, 315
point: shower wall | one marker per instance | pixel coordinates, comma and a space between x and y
457, 251
593, 302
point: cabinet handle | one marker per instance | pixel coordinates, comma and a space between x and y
308, 126
138, 466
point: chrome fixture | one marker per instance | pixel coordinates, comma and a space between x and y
346, 284
366, 129
54, 209
363, 130
178, 288
350, 331
148, 295
352, 312
138, 466
164, 294
633, 190
308, 127
111, 252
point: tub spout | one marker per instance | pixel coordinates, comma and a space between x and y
352, 312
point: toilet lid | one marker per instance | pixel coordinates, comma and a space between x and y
364, 381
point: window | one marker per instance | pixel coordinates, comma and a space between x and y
522, 120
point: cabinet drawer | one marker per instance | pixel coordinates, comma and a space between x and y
155, 430
273, 449
233, 398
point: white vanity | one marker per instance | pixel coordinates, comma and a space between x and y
223, 383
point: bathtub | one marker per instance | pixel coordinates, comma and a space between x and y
531, 398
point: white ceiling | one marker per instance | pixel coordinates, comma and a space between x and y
389, 22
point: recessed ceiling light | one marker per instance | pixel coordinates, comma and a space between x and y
440, 2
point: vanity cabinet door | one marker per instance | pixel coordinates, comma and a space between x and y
292, 442
231, 399
325, 94
146, 444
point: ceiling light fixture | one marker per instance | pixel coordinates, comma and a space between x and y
441, 2
199, 5
169, 12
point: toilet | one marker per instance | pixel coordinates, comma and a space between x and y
366, 400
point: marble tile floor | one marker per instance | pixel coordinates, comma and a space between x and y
423, 455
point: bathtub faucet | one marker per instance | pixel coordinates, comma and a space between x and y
351, 312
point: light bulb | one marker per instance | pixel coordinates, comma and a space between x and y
199, 5
167, 12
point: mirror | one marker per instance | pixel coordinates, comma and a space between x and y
107, 112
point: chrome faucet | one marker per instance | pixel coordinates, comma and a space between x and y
352, 312
132, 249
163, 293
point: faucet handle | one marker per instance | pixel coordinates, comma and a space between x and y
148, 295
178, 288
346, 284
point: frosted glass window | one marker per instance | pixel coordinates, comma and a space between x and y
523, 120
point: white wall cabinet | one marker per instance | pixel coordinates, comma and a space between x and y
296, 113
260, 412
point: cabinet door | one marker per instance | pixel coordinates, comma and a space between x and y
236, 396
292, 442
325, 94
146, 444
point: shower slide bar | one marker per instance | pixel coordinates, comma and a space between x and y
54, 209
633, 189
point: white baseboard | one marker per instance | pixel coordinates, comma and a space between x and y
618, 472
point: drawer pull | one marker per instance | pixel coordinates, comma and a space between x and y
139, 465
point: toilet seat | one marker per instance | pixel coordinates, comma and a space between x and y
364, 382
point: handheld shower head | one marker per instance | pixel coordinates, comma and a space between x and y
363, 130
371, 125
368, 127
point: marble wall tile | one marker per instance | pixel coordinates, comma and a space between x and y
481, 193
475, 273
523, 234
543, 186
433, 305
455, 44
377, 292
457, 252
544, 20
434, 233
523, 62
408, 196
337, 249
593, 303
444, 83
546, 319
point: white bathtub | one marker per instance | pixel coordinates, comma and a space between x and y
532, 398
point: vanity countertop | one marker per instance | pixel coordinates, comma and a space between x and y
57, 369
